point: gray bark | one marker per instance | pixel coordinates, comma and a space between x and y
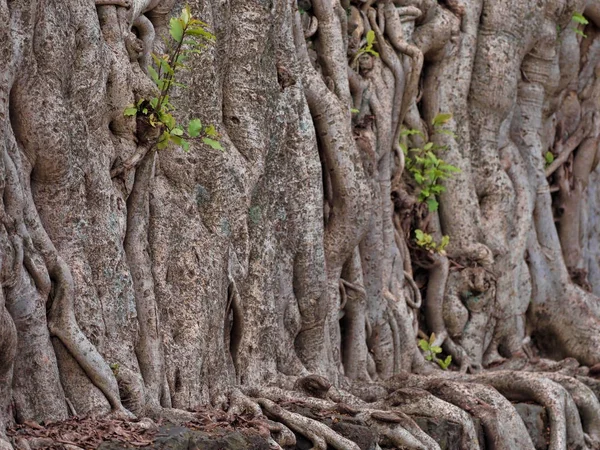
144, 282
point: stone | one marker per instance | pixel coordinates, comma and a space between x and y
171, 437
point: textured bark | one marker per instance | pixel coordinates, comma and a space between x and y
285, 268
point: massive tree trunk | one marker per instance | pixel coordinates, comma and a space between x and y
286, 266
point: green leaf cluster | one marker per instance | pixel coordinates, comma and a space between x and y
426, 168
431, 351
367, 48
189, 38
425, 240
581, 20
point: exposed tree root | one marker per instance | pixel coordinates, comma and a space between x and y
320, 434
136, 245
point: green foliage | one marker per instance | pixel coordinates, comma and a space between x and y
426, 241
367, 48
549, 157
581, 20
431, 351
426, 168
189, 38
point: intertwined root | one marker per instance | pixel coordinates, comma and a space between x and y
573, 410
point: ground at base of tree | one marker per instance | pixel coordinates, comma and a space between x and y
216, 430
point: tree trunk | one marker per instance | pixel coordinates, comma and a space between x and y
149, 282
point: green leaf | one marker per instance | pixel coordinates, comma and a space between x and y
153, 102
153, 74
448, 168
446, 132
370, 38
428, 146
580, 18
354, 110
431, 339
177, 140
444, 243
176, 29
211, 131
194, 127
435, 349
549, 157
177, 131
411, 132
163, 141
441, 119
424, 345
419, 234
157, 59
186, 15
164, 65
180, 60
130, 111
212, 143
167, 119
404, 149
197, 22
445, 363
200, 32
432, 204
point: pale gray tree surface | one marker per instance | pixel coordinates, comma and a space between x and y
144, 282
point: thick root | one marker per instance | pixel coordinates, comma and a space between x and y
320, 434
422, 403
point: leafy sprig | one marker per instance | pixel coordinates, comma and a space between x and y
580, 20
366, 49
189, 38
431, 351
426, 168
425, 240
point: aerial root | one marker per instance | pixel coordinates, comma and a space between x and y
565, 426
319, 434
587, 404
501, 423
572, 406
421, 403
240, 404
279, 434
397, 430
133, 161
394, 428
